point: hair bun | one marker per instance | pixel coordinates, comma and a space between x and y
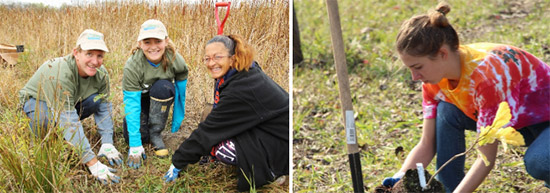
423, 35
437, 18
443, 8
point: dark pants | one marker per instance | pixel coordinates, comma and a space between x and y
161, 89
87, 107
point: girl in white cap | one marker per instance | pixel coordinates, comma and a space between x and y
71, 85
155, 76
248, 124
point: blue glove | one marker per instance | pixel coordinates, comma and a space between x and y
179, 105
390, 181
171, 174
132, 110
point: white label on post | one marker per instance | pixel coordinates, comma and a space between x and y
350, 128
421, 177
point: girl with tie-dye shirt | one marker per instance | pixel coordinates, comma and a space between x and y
462, 88
490, 74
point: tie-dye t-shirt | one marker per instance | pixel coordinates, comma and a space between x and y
490, 74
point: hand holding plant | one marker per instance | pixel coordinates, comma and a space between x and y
489, 134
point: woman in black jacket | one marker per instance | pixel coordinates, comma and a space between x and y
249, 123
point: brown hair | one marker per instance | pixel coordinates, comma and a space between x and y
78, 48
165, 61
244, 53
423, 35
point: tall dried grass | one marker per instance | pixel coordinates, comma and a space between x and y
48, 33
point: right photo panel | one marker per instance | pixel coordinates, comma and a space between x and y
421, 96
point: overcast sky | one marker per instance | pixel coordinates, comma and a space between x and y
59, 3
52, 3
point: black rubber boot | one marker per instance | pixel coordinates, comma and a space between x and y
158, 113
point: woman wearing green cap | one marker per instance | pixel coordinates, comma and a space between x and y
155, 76
71, 86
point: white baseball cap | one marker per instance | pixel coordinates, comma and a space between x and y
152, 29
91, 40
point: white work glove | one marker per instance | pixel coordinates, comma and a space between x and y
135, 156
103, 173
109, 151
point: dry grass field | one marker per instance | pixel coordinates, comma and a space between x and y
48, 33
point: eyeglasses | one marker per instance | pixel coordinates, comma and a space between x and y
215, 59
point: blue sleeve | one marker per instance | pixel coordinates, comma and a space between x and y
179, 105
132, 110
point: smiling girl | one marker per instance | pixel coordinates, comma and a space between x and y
462, 88
155, 76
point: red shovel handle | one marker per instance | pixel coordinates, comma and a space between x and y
220, 24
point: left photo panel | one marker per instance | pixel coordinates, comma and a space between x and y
147, 96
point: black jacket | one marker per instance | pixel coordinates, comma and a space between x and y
253, 110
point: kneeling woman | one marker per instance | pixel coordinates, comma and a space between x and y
155, 76
248, 125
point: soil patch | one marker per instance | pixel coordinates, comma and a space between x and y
411, 183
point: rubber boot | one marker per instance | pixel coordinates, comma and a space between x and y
158, 113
